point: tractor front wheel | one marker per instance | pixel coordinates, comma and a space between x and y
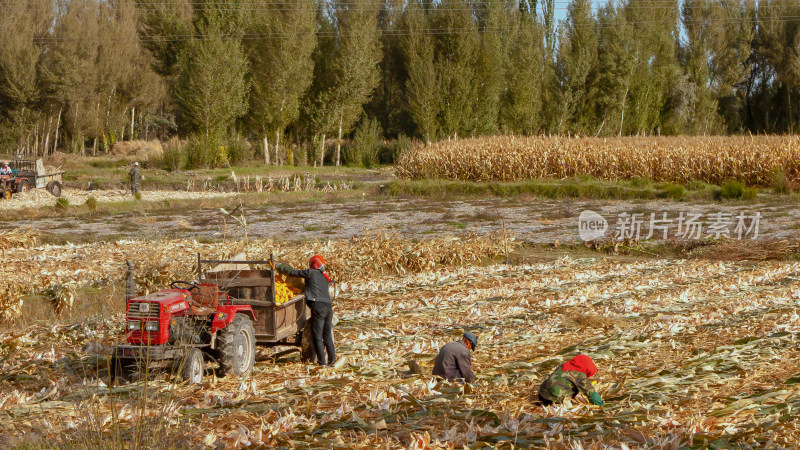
120, 370
237, 346
193, 367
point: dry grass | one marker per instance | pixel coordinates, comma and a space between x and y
594, 320
57, 272
758, 250
11, 293
753, 160
87, 302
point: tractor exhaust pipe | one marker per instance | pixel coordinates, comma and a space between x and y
130, 284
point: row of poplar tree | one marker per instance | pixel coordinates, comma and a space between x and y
85, 73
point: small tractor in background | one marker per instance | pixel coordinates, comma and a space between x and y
29, 174
220, 318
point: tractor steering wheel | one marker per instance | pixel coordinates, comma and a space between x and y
191, 285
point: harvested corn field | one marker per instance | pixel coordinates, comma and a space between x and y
754, 160
699, 353
30, 269
691, 353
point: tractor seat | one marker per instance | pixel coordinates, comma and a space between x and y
207, 296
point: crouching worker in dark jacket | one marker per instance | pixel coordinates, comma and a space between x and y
571, 378
455, 359
319, 301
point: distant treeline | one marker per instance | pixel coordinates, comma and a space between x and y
82, 74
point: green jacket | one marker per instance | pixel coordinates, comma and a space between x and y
560, 384
134, 174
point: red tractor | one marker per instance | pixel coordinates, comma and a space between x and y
219, 319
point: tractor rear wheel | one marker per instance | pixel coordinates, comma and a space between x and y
237, 346
193, 366
23, 186
54, 187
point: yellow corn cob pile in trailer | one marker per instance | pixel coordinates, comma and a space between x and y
284, 292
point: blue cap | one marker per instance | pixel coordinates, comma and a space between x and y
471, 338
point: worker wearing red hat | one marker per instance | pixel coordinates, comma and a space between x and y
571, 379
319, 301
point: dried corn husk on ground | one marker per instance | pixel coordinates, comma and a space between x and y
62, 297
699, 354
17, 238
753, 160
11, 295
760, 250
294, 183
387, 253
159, 262
12, 290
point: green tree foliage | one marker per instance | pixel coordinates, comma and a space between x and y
71, 72
366, 145
212, 91
617, 60
351, 71
457, 47
422, 84
96, 79
388, 104
576, 63
22, 27
526, 76
494, 25
698, 19
89, 72
731, 49
656, 71
281, 65
778, 44
163, 26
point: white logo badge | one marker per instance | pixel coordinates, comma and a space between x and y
591, 225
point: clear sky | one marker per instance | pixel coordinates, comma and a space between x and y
561, 8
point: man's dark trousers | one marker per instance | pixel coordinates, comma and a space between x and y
322, 326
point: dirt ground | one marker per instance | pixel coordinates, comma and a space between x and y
40, 198
529, 220
692, 353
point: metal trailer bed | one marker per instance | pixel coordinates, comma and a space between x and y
284, 324
29, 174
